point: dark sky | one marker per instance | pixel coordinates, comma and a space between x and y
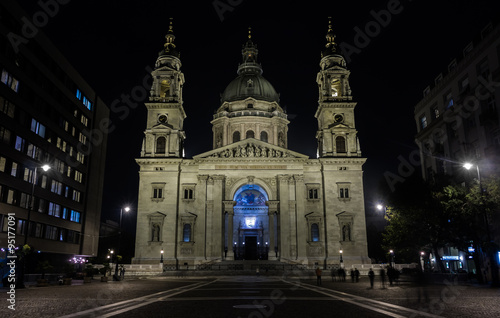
111, 43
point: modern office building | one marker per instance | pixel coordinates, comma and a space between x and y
458, 122
47, 112
251, 197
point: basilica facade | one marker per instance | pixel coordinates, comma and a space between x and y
251, 197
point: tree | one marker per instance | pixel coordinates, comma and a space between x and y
428, 216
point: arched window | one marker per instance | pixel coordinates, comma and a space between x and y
314, 232
340, 144
263, 136
250, 134
164, 88
236, 136
161, 144
336, 88
186, 233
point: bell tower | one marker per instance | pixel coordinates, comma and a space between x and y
337, 135
164, 135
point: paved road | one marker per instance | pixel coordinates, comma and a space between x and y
254, 297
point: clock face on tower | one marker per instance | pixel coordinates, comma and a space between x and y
162, 119
338, 118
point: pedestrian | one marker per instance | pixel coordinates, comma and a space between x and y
318, 276
352, 275
122, 272
333, 274
356, 274
390, 274
371, 275
382, 277
343, 275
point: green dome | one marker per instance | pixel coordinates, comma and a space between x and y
250, 85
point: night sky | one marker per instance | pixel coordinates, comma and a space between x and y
111, 43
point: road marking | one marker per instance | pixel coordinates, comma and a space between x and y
355, 300
130, 304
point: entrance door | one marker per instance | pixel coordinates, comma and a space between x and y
251, 247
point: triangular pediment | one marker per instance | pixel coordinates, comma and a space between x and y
250, 148
338, 125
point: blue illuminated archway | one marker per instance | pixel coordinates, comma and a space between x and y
250, 195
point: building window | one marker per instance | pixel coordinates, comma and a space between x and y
435, 112
76, 195
20, 143
87, 103
263, 136
344, 191
188, 194
314, 232
75, 216
313, 194
78, 176
3, 161
10, 81
448, 100
42, 206
13, 170
236, 136
5, 135
250, 134
56, 187
78, 94
29, 175
51, 232
84, 120
312, 191
186, 233
7, 107
54, 209
346, 232
423, 122
157, 193
161, 144
340, 144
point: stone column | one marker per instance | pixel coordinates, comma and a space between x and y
300, 197
201, 224
217, 240
229, 210
273, 244
284, 217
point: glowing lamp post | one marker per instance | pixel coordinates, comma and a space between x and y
341, 260
161, 256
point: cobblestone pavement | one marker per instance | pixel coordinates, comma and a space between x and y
235, 296
444, 299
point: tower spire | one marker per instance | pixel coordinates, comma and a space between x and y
169, 46
331, 46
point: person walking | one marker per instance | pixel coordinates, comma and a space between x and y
318, 276
356, 274
371, 275
382, 277
352, 275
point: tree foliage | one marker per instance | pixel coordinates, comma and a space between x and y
426, 216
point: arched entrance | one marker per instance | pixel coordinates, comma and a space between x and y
251, 223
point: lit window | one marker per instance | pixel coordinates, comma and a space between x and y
19, 145
76, 195
74, 216
3, 161
423, 122
78, 94
187, 233
78, 176
56, 187
5, 135
10, 81
315, 232
13, 171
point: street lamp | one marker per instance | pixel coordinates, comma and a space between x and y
491, 256
126, 208
161, 259
21, 280
392, 258
32, 197
341, 260
422, 262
